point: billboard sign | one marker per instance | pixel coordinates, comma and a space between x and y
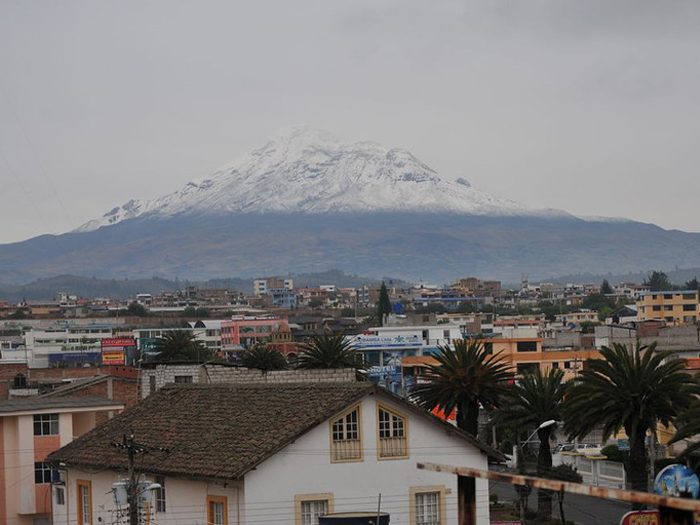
396, 341
678, 481
113, 357
119, 342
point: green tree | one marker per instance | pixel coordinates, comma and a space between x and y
462, 380
536, 398
658, 281
137, 310
315, 303
181, 345
263, 357
203, 312
384, 306
189, 311
328, 351
692, 284
605, 288
631, 389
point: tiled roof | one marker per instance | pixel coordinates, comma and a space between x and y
221, 431
212, 431
36, 403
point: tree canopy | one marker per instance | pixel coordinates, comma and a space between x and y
328, 351
181, 345
631, 389
462, 380
263, 357
658, 281
384, 306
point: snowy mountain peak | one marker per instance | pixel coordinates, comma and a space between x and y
307, 170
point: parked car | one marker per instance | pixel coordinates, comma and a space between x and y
564, 447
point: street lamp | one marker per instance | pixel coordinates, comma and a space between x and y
524, 492
546, 424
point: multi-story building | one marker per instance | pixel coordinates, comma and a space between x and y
264, 285
243, 332
30, 429
66, 346
675, 307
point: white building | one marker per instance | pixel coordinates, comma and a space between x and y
69, 345
283, 454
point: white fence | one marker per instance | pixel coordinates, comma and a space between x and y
595, 470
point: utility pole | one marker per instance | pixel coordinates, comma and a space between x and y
132, 489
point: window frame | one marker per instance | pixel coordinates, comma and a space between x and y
333, 447
80, 485
161, 505
300, 499
219, 500
48, 424
394, 414
42, 469
440, 490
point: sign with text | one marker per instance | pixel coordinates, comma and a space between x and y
119, 342
113, 357
641, 517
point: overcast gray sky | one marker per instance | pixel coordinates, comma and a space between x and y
589, 106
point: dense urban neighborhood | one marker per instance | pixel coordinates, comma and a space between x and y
201, 405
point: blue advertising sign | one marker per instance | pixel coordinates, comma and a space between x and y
677, 480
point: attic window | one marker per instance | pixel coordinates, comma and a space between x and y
346, 442
393, 431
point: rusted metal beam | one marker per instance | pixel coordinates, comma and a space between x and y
567, 486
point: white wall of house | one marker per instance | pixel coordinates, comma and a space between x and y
355, 486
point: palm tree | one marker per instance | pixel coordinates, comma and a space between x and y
634, 390
536, 398
181, 345
689, 426
328, 351
462, 380
265, 358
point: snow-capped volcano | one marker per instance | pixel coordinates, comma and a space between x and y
305, 170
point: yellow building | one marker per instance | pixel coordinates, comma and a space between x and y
676, 307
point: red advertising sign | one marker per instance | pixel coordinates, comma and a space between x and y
646, 517
122, 341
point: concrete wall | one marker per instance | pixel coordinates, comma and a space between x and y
165, 374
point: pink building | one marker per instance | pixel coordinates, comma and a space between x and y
247, 331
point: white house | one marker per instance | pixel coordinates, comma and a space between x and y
273, 453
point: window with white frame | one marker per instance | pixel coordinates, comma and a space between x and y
217, 510
46, 424
427, 508
393, 441
308, 508
345, 437
312, 510
59, 495
160, 494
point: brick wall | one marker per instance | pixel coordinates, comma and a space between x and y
164, 374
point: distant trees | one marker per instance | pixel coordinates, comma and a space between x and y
692, 284
657, 281
137, 310
384, 306
200, 312
263, 357
328, 351
605, 288
181, 345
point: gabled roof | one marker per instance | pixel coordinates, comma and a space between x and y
222, 431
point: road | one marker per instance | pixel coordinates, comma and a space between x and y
584, 510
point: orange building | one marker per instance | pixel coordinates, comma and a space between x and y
30, 429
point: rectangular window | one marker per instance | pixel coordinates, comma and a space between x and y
656, 308
689, 297
346, 444
46, 425
152, 384
160, 494
392, 434
668, 308
689, 307
84, 503
60, 495
526, 346
217, 510
309, 508
668, 296
427, 508
183, 379
42, 473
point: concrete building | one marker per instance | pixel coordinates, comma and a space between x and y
30, 429
675, 307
